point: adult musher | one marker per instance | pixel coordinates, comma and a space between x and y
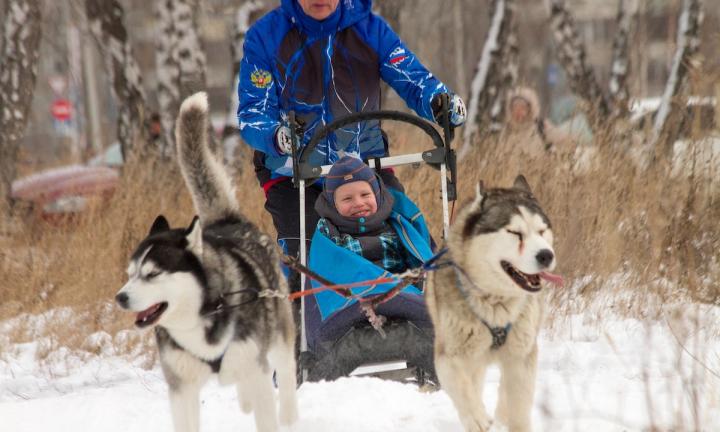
324, 59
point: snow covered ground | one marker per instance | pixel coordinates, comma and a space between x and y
596, 373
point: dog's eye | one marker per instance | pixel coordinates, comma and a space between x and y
518, 234
153, 274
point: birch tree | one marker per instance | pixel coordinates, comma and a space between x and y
571, 54
106, 21
619, 94
495, 73
19, 53
245, 15
687, 43
390, 11
181, 62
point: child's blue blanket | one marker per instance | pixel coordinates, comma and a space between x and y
340, 265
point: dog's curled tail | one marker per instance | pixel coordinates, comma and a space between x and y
210, 185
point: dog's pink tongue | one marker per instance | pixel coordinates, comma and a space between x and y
147, 312
552, 278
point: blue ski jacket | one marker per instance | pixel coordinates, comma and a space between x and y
324, 70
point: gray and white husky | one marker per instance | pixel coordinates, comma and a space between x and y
487, 306
214, 293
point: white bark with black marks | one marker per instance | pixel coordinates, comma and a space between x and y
390, 11
19, 54
571, 54
619, 94
495, 74
245, 15
106, 21
181, 62
687, 42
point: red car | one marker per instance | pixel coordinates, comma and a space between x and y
64, 191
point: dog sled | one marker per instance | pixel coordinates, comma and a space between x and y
355, 317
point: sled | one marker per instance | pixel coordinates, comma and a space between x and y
337, 338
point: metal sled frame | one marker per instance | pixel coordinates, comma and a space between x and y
441, 157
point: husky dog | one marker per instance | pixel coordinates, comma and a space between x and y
214, 293
486, 306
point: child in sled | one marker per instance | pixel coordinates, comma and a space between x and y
355, 208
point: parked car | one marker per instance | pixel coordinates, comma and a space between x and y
63, 191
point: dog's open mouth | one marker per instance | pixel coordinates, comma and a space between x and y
150, 315
529, 282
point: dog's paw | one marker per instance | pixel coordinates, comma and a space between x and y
496, 426
483, 424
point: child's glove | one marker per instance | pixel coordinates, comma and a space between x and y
458, 114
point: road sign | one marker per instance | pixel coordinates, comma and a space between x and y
61, 110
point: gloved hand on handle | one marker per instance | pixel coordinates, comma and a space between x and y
283, 140
458, 113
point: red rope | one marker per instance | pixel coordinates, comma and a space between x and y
337, 287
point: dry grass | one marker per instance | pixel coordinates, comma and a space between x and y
621, 232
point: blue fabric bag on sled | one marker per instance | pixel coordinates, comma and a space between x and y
339, 336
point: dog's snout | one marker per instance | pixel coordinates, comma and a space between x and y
122, 299
545, 257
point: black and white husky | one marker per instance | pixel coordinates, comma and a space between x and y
214, 293
487, 306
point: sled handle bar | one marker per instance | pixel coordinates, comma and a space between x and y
435, 156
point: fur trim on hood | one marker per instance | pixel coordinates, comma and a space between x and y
527, 94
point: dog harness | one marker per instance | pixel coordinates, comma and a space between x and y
499, 334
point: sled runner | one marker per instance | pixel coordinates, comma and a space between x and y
338, 335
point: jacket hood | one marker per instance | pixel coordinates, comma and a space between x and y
528, 95
347, 13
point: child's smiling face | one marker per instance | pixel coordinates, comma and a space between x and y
355, 199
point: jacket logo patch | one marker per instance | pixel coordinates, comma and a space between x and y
261, 78
397, 51
397, 60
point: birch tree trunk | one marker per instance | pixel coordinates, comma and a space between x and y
508, 71
106, 21
671, 109
390, 11
571, 53
19, 53
496, 70
620, 67
246, 14
181, 63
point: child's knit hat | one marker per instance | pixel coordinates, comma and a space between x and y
347, 170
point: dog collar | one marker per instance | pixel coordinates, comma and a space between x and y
499, 334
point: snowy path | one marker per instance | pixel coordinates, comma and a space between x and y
589, 379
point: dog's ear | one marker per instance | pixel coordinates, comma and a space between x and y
161, 224
193, 235
522, 184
